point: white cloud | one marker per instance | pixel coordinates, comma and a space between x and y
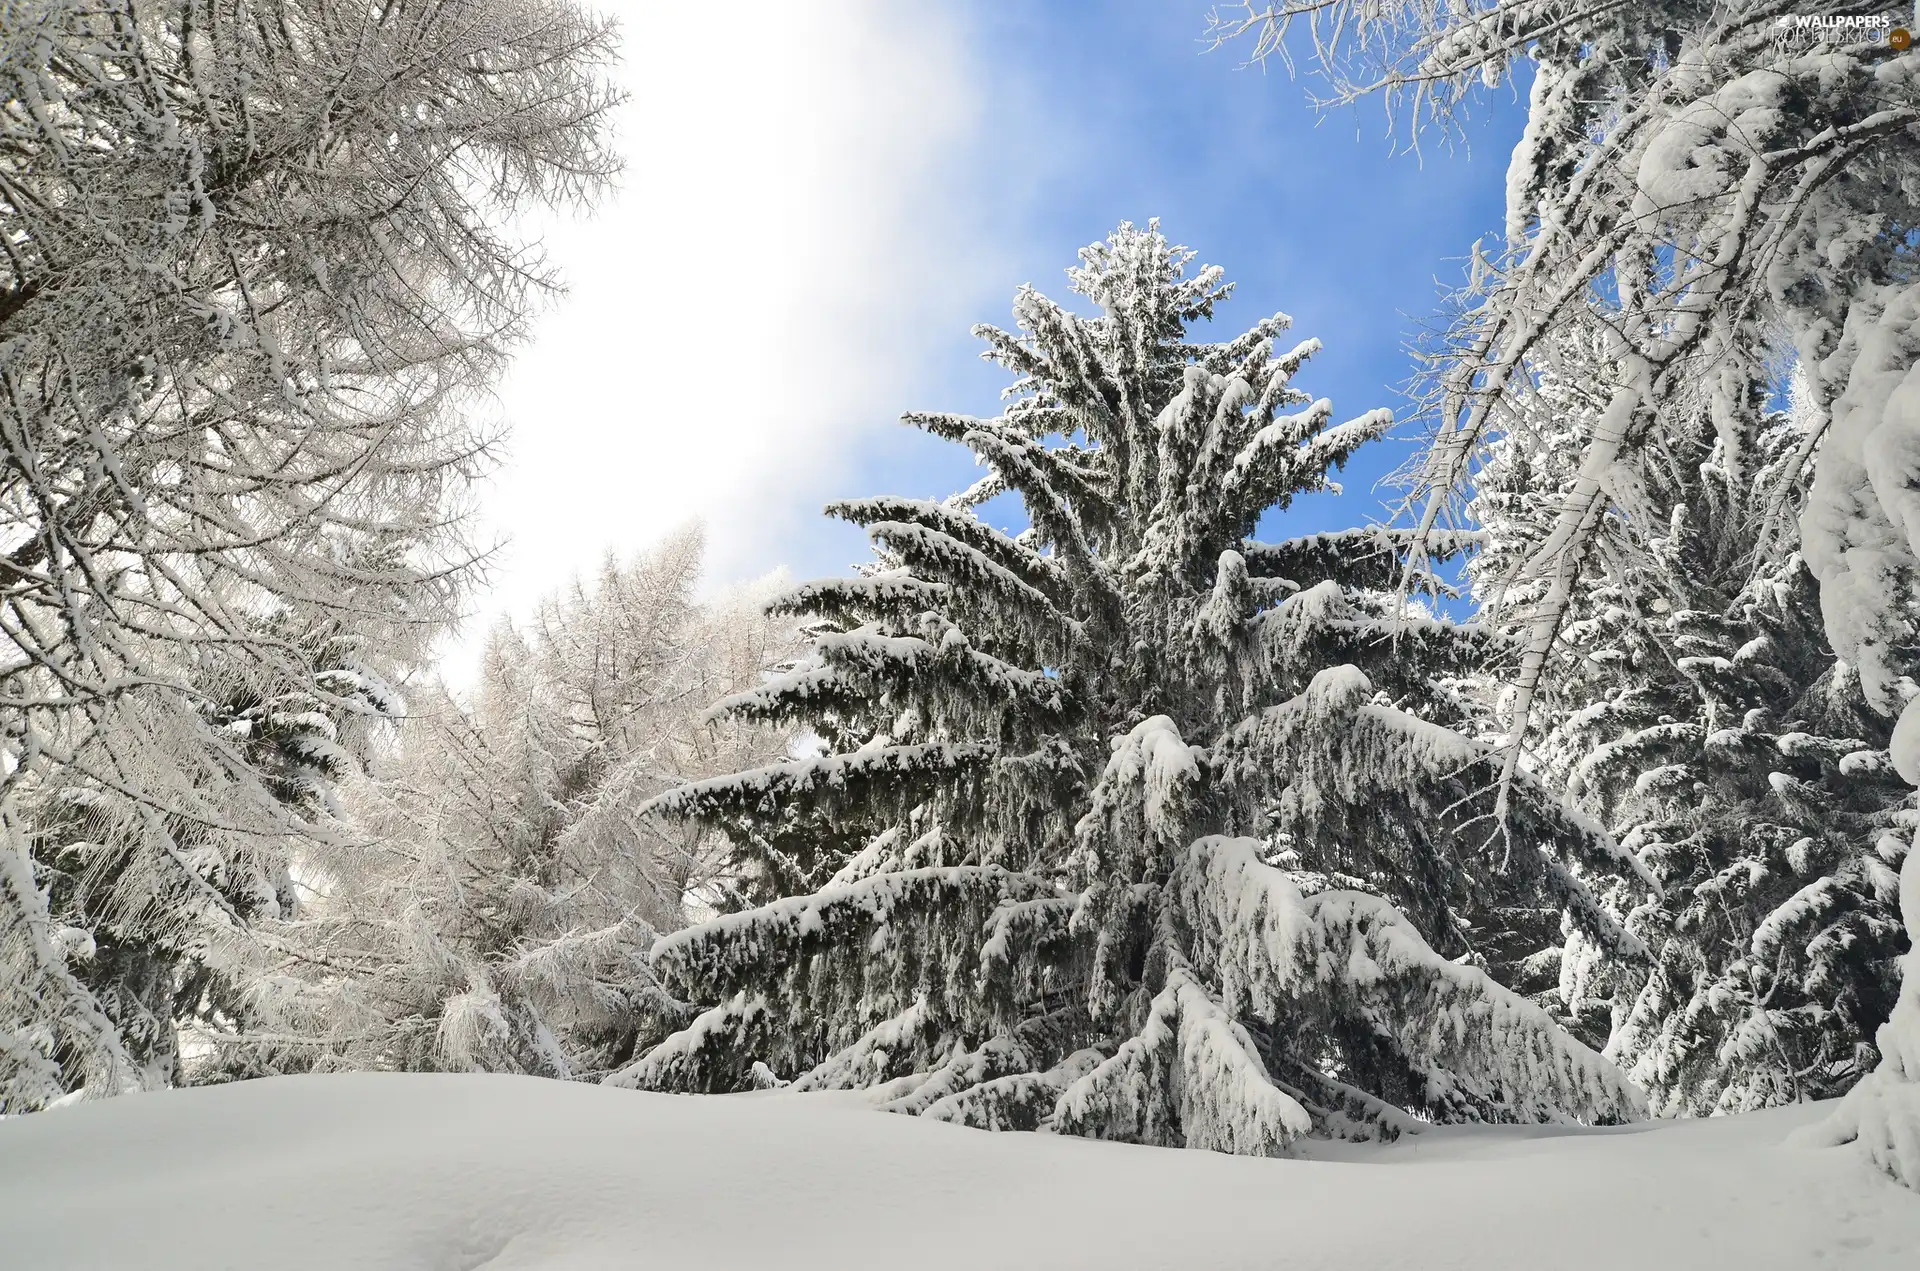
790, 237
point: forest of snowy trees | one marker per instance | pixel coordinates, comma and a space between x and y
1578, 786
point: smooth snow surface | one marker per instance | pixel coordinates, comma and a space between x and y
457, 1173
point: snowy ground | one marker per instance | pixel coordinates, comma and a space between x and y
456, 1173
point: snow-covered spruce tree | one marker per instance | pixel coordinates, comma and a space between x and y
250, 270
1071, 753
1695, 707
1690, 172
491, 900
1881, 1113
1693, 178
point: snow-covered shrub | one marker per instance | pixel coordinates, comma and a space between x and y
1127, 825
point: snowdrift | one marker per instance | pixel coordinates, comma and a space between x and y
457, 1173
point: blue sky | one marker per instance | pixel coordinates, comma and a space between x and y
1116, 111
814, 216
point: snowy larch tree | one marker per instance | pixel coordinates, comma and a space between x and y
1695, 707
490, 900
249, 272
1157, 827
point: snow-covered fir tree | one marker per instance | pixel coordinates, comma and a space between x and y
148, 919
491, 894
1689, 173
1134, 826
1880, 1112
1694, 706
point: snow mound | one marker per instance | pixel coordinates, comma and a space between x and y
458, 1173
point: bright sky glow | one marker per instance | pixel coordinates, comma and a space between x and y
752, 302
